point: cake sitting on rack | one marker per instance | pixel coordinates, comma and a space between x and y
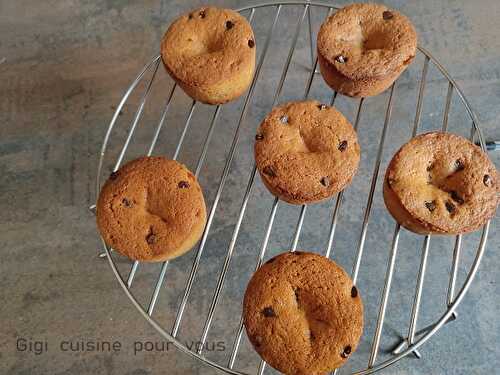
306, 151
210, 53
303, 314
441, 183
363, 48
152, 209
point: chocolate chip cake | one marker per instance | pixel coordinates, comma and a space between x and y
363, 48
306, 151
151, 209
441, 183
302, 314
210, 53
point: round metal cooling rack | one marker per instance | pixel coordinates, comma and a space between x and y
413, 339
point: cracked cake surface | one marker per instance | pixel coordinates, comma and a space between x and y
303, 314
306, 151
210, 53
151, 209
363, 48
441, 183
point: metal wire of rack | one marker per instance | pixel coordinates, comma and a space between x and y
414, 339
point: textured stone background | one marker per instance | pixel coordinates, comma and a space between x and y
63, 68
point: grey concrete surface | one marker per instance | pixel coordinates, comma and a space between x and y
63, 68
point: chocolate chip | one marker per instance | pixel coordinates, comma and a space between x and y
386, 15
259, 137
151, 238
126, 202
431, 206
346, 352
269, 312
487, 181
229, 25
341, 59
269, 171
257, 341
284, 119
321, 106
190, 16
183, 185
459, 165
450, 207
202, 14
408, 60
113, 175
251, 43
430, 167
325, 181
354, 292
311, 335
456, 197
343, 146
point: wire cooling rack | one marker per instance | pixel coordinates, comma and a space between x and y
414, 338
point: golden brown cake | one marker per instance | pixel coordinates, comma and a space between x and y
363, 48
441, 183
152, 209
306, 151
210, 53
302, 314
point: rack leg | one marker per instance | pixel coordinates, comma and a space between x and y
404, 341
